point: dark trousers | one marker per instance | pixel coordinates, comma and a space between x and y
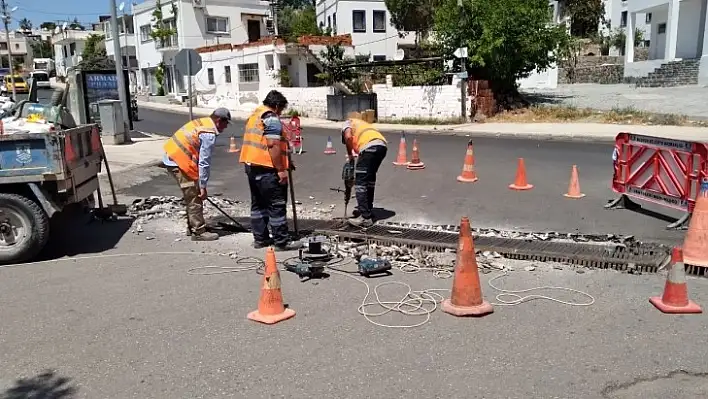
367, 165
269, 199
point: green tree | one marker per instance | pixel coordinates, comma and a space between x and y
506, 39
25, 24
413, 15
293, 23
94, 54
585, 16
76, 25
618, 38
42, 49
161, 32
48, 25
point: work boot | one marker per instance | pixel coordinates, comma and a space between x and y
262, 244
205, 236
361, 222
290, 246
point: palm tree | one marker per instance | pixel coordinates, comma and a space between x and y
25, 24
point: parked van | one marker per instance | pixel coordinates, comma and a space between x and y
20, 84
42, 79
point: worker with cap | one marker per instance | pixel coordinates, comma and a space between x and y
188, 159
368, 146
265, 155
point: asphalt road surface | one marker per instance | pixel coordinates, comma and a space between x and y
433, 195
140, 326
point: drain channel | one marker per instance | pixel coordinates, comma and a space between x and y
640, 257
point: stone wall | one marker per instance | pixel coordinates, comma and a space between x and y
595, 69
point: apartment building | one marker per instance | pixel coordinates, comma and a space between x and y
68, 45
678, 32
368, 22
20, 47
126, 39
198, 24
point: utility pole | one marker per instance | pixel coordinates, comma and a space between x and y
120, 78
463, 63
6, 21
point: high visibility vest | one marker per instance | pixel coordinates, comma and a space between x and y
183, 146
254, 149
363, 133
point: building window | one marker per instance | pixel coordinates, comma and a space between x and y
334, 22
329, 22
217, 25
661, 29
3, 46
248, 73
72, 48
623, 20
647, 18
17, 46
145, 31
379, 21
254, 30
359, 21
227, 73
210, 75
379, 58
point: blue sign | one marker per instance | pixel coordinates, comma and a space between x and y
102, 81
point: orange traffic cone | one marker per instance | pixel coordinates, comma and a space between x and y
469, 174
466, 298
574, 185
695, 245
520, 182
329, 149
232, 145
69, 152
675, 298
271, 309
402, 152
415, 163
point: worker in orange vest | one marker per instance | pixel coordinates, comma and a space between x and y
265, 153
188, 159
368, 146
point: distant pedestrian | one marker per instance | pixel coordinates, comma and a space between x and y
188, 159
265, 153
368, 145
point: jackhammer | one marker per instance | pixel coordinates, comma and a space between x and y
348, 178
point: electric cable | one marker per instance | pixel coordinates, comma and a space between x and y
419, 303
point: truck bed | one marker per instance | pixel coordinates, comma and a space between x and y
68, 159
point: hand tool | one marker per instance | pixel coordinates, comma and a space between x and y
236, 228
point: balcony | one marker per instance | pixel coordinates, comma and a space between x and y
169, 44
124, 40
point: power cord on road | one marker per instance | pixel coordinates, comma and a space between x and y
420, 303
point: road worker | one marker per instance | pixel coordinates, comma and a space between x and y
265, 153
368, 145
188, 159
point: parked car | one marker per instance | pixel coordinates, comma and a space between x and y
20, 84
42, 79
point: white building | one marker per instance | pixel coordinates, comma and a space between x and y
678, 32
197, 24
68, 46
617, 16
369, 23
20, 46
126, 39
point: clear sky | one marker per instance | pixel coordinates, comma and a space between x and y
38, 11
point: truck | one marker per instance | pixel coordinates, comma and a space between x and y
45, 65
43, 174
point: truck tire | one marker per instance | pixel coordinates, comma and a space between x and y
24, 228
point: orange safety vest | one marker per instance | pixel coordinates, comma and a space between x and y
254, 149
364, 133
183, 146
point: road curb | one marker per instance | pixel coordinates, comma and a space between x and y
439, 132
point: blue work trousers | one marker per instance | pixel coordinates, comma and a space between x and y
367, 165
269, 199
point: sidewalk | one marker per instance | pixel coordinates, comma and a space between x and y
541, 131
140, 153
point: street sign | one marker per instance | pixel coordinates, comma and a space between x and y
188, 61
461, 52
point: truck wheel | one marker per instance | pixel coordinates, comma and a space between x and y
24, 228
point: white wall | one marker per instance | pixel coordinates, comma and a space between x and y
547, 79
148, 56
440, 102
192, 30
689, 29
365, 43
